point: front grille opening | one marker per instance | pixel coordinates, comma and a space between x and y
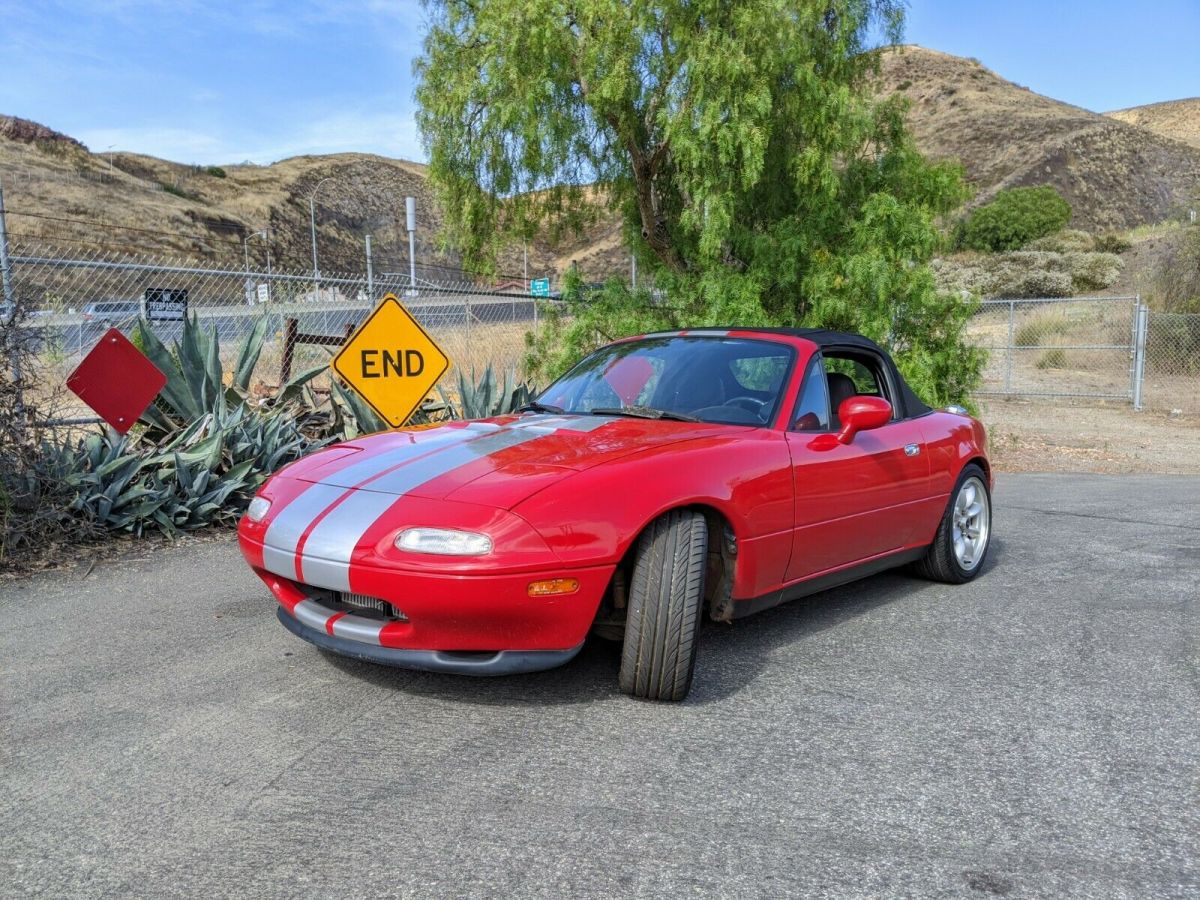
359, 604
372, 607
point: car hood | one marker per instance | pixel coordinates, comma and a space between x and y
497, 462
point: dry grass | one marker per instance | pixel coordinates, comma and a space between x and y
366, 195
1113, 174
1178, 120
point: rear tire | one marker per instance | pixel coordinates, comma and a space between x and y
666, 599
955, 557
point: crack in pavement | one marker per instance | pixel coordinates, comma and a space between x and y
1077, 515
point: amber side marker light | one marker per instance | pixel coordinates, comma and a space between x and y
552, 586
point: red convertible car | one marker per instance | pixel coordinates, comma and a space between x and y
665, 478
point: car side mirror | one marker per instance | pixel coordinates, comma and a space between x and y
862, 414
856, 414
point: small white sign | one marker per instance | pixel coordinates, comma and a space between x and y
264, 293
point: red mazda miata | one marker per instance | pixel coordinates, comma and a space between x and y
666, 477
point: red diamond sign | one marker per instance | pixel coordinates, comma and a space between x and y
117, 381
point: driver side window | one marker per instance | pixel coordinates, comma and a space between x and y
812, 411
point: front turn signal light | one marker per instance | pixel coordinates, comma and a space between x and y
552, 586
258, 509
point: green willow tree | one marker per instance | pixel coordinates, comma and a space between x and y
759, 180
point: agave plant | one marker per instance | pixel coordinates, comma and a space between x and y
204, 474
196, 376
482, 399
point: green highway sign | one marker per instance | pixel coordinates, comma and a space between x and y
540, 287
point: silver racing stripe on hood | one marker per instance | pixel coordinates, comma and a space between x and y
290, 523
324, 557
344, 514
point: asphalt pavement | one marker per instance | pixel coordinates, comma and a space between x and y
1032, 734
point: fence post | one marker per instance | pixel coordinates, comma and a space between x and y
370, 274
1009, 355
290, 329
5, 268
1139, 354
10, 305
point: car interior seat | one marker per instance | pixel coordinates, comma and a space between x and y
841, 387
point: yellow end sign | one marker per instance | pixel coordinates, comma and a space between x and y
391, 362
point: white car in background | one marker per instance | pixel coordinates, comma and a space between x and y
110, 312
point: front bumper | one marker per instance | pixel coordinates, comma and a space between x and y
502, 662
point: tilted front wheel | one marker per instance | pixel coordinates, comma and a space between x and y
666, 600
961, 544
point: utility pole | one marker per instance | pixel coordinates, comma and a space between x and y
527, 267
249, 296
110, 150
410, 212
633, 272
246, 253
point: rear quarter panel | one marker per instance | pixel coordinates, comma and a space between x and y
952, 440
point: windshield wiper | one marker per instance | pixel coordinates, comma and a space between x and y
534, 406
643, 412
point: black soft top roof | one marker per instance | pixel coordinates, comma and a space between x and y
845, 340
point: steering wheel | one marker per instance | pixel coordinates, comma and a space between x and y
751, 403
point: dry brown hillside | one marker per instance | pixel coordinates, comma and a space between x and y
1114, 175
1175, 119
58, 192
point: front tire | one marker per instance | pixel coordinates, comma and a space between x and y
666, 599
964, 535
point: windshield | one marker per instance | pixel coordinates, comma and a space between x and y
733, 381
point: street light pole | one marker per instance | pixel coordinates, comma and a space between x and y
110, 167
410, 210
312, 224
246, 254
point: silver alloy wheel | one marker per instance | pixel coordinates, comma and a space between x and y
972, 523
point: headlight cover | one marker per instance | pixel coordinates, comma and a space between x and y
444, 542
258, 509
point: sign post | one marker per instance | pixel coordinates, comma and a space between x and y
391, 362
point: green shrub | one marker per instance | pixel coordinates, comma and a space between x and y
1035, 331
1055, 358
1177, 277
1093, 271
1032, 283
1015, 217
1173, 343
178, 191
215, 171
1112, 242
1065, 241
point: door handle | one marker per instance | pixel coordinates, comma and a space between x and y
912, 449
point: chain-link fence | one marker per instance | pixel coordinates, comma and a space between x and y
71, 299
1110, 348
1170, 378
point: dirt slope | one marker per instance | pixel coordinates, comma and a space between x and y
140, 204
1128, 168
1175, 119
1115, 175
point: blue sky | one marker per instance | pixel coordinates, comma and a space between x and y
219, 82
